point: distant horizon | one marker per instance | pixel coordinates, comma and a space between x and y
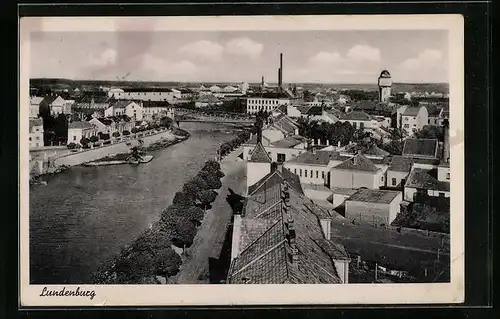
226, 82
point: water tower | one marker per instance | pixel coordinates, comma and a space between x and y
384, 86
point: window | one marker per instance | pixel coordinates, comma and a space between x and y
382, 178
74, 138
281, 158
441, 194
354, 124
30, 138
295, 171
361, 125
305, 173
311, 173
317, 174
407, 126
300, 172
393, 182
38, 130
429, 121
38, 138
447, 176
323, 174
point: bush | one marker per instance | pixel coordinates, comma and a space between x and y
94, 139
206, 197
134, 130
182, 199
213, 182
84, 141
71, 146
126, 133
116, 134
183, 233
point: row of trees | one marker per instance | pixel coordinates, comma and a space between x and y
152, 254
338, 132
229, 146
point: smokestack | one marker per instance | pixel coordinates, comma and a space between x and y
281, 69
279, 79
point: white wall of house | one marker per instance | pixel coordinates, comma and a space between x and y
292, 111
145, 96
134, 111
339, 199
394, 178
34, 110
256, 171
373, 212
76, 134
409, 192
287, 153
443, 173
368, 124
411, 124
36, 136
309, 174
356, 179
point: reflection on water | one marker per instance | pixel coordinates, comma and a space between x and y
87, 214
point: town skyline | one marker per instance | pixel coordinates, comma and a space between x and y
323, 57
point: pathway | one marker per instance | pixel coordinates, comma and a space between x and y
210, 237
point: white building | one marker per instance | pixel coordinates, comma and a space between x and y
414, 119
422, 182
358, 171
146, 94
385, 86
154, 109
377, 207
362, 120
266, 101
132, 109
79, 130
35, 132
58, 106
35, 106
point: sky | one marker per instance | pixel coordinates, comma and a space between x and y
419, 56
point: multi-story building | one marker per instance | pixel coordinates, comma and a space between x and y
266, 101
363, 120
36, 132
133, 109
35, 106
146, 94
154, 109
80, 129
414, 119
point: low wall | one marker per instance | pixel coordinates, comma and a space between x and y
106, 150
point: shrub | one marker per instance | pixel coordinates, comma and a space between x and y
182, 199
71, 146
206, 197
84, 141
213, 182
134, 130
94, 139
126, 133
116, 134
183, 233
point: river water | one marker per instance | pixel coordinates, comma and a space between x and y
85, 215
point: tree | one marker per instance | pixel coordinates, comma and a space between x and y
206, 197
84, 141
431, 132
166, 122
183, 233
167, 262
134, 130
94, 139
71, 146
116, 134
195, 214
211, 166
126, 133
132, 267
213, 182
181, 199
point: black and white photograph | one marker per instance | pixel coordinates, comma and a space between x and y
161, 157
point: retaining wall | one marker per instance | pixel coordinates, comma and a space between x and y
106, 150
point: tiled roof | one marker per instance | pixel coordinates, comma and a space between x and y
411, 111
105, 121
35, 100
273, 180
320, 158
269, 95
49, 99
284, 123
421, 178
147, 104
374, 196
259, 155
289, 141
315, 110
35, 122
433, 110
303, 109
356, 115
358, 163
79, 125
268, 259
420, 147
119, 104
372, 150
400, 164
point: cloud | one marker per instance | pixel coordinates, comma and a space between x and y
166, 68
202, 49
244, 47
364, 53
321, 58
104, 59
426, 59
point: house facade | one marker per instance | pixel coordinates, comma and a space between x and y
35, 133
152, 110
35, 106
414, 119
360, 120
266, 101
355, 172
146, 94
377, 207
80, 129
425, 182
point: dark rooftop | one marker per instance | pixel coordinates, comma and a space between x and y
421, 147
259, 155
358, 163
422, 178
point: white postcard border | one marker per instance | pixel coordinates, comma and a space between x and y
192, 295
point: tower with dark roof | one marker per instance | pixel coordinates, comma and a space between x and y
384, 86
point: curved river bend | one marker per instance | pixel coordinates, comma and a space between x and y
87, 214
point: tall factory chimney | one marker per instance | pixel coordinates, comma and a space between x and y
279, 79
281, 71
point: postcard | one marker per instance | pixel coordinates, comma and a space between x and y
241, 160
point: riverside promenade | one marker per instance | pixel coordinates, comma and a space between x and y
210, 237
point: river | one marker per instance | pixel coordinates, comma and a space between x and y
85, 215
